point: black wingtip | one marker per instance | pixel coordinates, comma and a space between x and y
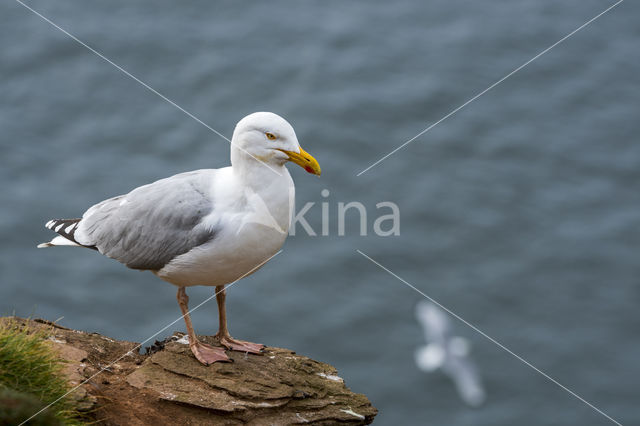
67, 228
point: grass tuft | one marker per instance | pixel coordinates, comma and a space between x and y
31, 377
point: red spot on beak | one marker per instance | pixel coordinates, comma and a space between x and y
308, 169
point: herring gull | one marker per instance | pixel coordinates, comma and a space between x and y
206, 227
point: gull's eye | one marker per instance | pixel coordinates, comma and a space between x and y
271, 136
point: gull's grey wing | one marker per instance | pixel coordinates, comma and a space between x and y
465, 376
152, 224
435, 322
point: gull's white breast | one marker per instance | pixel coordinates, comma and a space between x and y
251, 225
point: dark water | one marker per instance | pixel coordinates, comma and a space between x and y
521, 212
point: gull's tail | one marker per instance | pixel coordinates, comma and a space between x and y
66, 228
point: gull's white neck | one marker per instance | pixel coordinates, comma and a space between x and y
255, 173
273, 186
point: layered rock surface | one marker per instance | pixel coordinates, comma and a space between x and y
169, 386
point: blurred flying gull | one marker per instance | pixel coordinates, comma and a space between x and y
448, 353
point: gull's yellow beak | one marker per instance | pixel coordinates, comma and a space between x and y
304, 160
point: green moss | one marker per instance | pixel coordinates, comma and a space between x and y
31, 377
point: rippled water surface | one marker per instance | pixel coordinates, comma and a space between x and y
521, 212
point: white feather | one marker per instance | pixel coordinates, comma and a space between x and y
59, 241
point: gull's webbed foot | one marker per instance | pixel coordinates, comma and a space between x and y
240, 345
207, 354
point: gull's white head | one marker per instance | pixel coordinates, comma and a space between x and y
269, 138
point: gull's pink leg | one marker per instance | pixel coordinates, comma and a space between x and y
223, 334
204, 353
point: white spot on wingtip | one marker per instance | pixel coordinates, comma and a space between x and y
70, 227
58, 227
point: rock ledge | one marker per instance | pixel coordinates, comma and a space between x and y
169, 386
